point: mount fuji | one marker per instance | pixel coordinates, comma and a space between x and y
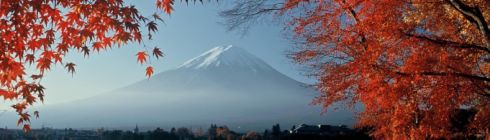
225, 85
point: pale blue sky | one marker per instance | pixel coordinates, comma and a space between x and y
188, 32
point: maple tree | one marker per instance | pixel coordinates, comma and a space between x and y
42, 32
412, 64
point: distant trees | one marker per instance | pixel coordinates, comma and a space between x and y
266, 135
252, 135
199, 132
222, 132
214, 133
276, 131
159, 134
184, 133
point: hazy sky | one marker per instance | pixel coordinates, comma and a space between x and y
189, 31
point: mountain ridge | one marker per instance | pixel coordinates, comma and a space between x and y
225, 55
225, 85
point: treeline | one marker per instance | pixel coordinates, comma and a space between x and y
214, 132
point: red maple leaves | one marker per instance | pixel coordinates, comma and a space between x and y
411, 64
8, 95
70, 67
141, 57
42, 32
166, 5
149, 71
157, 52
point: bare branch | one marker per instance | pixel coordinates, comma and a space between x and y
474, 15
246, 13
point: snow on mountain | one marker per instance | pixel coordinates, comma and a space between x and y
227, 56
225, 85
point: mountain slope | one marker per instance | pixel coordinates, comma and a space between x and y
225, 85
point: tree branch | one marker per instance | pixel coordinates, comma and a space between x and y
463, 75
474, 15
449, 43
246, 13
353, 13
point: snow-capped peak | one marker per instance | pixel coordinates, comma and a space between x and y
225, 56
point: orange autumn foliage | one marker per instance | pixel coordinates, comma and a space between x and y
149, 71
42, 32
412, 64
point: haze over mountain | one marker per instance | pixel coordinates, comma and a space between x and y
225, 85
